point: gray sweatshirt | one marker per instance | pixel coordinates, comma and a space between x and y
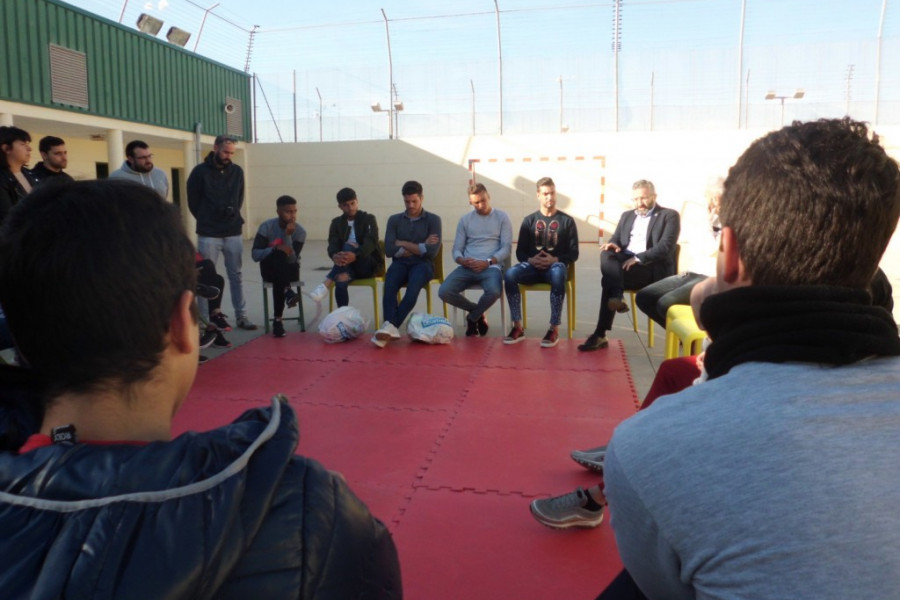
155, 179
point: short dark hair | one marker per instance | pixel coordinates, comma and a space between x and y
8, 135
224, 139
129, 149
284, 201
345, 195
111, 327
544, 181
477, 188
813, 204
411, 187
50, 141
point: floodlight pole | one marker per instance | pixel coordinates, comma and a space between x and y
499, 63
202, 23
320, 113
391, 76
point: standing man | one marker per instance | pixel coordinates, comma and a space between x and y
483, 242
640, 251
412, 239
138, 167
547, 245
352, 247
777, 477
277, 249
54, 158
215, 190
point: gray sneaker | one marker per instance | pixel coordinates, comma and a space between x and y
566, 511
590, 459
245, 323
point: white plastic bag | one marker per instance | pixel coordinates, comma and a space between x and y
345, 323
430, 329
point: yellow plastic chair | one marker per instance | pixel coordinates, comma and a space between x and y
371, 282
545, 287
682, 331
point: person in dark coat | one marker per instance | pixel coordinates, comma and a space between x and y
16, 181
96, 500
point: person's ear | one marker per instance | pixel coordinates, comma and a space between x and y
183, 335
733, 268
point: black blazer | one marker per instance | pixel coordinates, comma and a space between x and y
662, 238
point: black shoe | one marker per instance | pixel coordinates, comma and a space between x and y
482, 326
202, 359
220, 341
594, 342
471, 328
208, 291
291, 298
207, 337
278, 328
220, 321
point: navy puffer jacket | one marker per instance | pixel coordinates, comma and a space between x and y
229, 513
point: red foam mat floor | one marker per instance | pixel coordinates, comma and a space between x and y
447, 445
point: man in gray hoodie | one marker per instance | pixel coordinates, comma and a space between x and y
138, 167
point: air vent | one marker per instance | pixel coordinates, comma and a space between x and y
234, 118
68, 77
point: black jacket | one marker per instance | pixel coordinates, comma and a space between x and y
662, 238
229, 513
215, 197
42, 173
366, 228
11, 191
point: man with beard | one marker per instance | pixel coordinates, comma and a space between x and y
215, 190
55, 158
138, 167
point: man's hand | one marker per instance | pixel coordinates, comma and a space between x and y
285, 248
474, 264
542, 261
290, 228
630, 263
432, 239
342, 259
611, 247
701, 292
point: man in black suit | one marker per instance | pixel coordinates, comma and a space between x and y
641, 251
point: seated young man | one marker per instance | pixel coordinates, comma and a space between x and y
276, 248
99, 502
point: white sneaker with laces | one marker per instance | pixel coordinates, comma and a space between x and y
388, 332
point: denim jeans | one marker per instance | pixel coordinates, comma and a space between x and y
490, 280
412, 272
361, 268
524, 273
233, 249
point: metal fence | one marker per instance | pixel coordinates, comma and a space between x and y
513, 68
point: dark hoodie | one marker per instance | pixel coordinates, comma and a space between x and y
215, 196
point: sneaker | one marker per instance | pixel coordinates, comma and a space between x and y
220, 341
550, 339
594, 342
617, 305
590, 459
377, 342
482, 326
568, 510
291, 298
219, 321
388, 331
471, 328
207, 338
516, 335
210, 292
278, 328
319, 293
245, 323
202, 359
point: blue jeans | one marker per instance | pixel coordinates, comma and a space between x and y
362, 268
233, 249
414, 274
490, 280
524, 273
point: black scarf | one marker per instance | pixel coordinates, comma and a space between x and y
818, 324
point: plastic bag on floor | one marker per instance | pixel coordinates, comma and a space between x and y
430, 329
345, 323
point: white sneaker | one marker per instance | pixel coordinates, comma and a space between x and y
388, 332
319, 293
377, 342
